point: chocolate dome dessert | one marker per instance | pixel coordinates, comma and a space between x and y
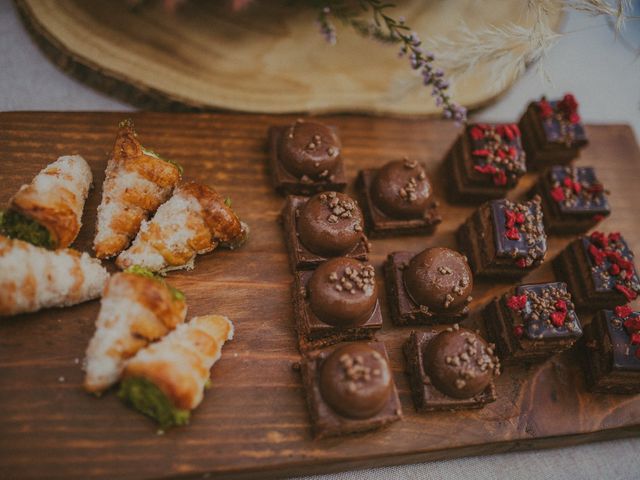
356, 381
440, 280
330, 224
342, 292
460, 363
309, 149
401, 189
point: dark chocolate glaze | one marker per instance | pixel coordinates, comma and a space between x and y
330, 224
401, 189
342, 292
587, 201
460, 363
604, 282
309, 148
440, 279
560, 131
624, 353
355, 381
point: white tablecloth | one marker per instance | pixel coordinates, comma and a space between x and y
604, 76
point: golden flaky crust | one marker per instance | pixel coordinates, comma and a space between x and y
179, 364
135, 310
137, 182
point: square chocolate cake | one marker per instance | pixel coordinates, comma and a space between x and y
612, 352
350, 388
485, 162
573, 199
504, 239
336, 302
450, 370
532, 322
552, 132
305, 158
599, 271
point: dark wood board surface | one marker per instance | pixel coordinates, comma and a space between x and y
253, 422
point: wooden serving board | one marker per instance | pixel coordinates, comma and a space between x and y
269, 58
254, 422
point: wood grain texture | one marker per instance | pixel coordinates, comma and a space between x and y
269, 58
253, 422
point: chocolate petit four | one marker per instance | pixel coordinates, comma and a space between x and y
304, 158
350, 388
573, 199
433, 286
450, 370
612, 351
599, 271
398, 199
504, 239
552, 132
532, 322
329, 224
336, 302
485, 162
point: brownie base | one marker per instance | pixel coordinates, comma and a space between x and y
324, 420
286, 183
402, 309
426, 397
381, 225
313, 333
300, 258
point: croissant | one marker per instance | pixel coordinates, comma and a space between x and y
48, 211
33, 277
137, 182
193, 221
167, 379
136, 308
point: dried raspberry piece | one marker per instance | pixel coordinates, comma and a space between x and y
510, 215
517, 302
623, 311
614, 269
521, 262
515, 129
597, 255
477, 132
520, 218
567, 182
518, 330
512, 234
545, 109
500, 178
481, 152
508, 132
557, 194
635, 338
599, 239
577, 187
574, 118
627, 292
486, 169
614, 237
557, 318
561, 305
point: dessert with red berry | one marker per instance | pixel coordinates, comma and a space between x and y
532, 322
485, 162
599, 271
552, 132
612, 351
573, 199
504, 239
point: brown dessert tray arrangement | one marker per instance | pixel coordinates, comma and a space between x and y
254, 421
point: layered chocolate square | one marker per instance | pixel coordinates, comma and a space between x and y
573, 199
532, 322
336, 302
350, 388
612, 351
485, 162
504, 239
431, 287
397, 199
450, 370
305, 158
327, 225
599, 271
552, 132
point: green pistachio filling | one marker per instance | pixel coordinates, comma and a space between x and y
145, 272
148, 399
16, 225
153, 154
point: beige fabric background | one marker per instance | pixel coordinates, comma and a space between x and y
604, 76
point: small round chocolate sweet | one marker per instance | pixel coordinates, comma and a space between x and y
355, 380
309, 149
460, 363
342, 292
439, 279
401, 189
330, 224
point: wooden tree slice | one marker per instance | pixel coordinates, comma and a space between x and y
266, 59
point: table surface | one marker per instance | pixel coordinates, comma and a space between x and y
30, 82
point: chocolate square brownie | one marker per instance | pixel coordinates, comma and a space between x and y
532, 322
